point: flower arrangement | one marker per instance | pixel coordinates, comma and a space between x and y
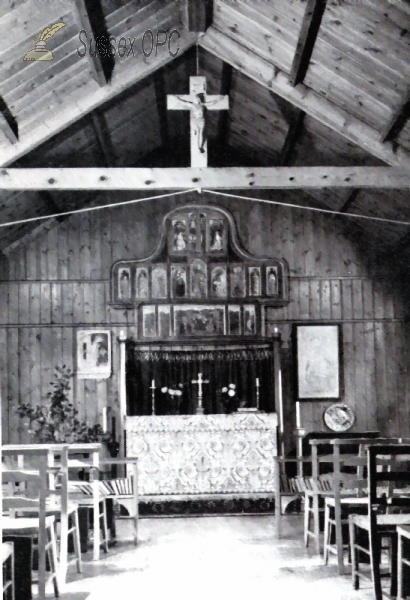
230, 390
58, 422
175, 396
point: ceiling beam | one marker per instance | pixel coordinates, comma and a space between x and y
224, 116
314, 104
351, 199
161, 101
307, 38
292, 137
203, 177
91, 18
47, 199
90, 97
101, 132
398, 120
8, 123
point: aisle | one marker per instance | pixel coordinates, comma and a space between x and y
212, 558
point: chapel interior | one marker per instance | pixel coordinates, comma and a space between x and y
204, 298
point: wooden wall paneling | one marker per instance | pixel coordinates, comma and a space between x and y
388, 301
347, 299
61, 250
45, 303
293, 306
299, 246
3, 382
357, 299
43, 257
88, 291
34, 303
53, 242
360, 400
68, 345
85, 246
402, 387
106, 249
37, 396
117, 248
370, 375
95, 245
378, 299
4, 303
348, 370
90, 409
391, 378
56, 303
309, 243
78, 303
335, 299
13, 392
325, 300
100, 301
74, 247
399, 304
381, 378
287, 241
67, 298
321, 246
23, 303
254, 223
100, 402
32, 260
368, 307
314, 299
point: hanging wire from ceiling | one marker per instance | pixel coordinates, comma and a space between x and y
211, 192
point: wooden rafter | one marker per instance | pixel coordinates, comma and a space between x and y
203, 177
89, 17
292, 136
226, 86
103, 136
8, 123
348, 203
398, 120
307, 38
161, 100
48, 200
315, 105
200, 15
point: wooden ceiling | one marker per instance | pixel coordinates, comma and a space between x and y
311, 83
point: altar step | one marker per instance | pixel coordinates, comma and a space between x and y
175, 506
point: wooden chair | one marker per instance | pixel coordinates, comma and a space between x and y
322, 483
41, 527
386, 488
287, 488
403, 545
7, 561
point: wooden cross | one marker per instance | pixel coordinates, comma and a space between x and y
196, 102
200, 382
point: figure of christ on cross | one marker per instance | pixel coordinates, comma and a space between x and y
200, 382
196, 102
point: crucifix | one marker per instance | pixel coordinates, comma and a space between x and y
200, 382
196, 102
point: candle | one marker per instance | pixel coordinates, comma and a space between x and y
257, 382
298, 421
104, 419
275, 330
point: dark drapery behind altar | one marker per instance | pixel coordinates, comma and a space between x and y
173, 370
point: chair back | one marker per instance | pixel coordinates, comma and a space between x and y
389, 476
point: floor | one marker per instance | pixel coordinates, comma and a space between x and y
213, 558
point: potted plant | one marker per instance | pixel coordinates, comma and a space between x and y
58, 421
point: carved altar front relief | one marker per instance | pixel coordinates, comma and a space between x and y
204, 454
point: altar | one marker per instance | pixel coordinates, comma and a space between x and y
204, 454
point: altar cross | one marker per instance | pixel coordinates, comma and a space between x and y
200, 382
196, 102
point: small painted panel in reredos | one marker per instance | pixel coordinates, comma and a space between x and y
149, 328
255, 281
249, 320
159, 282
141, 283
272, 281
164, 321
237, 281
217, 236
199, 320
193, 233
199, 279
124, 283
234, 320
179, 281
219, 285
178, 237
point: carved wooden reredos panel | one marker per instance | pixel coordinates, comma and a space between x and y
199, 282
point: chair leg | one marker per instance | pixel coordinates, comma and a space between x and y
327, 534
104, 526
394, 562
374, 544
52, 557
76, 541
339, 538
306, 520
316, 524
399, 567
353, 553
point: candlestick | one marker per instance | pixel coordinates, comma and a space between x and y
113, 429
104, 419
257, 393
298, 419
153, 388
275, 330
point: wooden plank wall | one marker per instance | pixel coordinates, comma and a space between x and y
59, 282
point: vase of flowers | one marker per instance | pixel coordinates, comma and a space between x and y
174, 398
228, 394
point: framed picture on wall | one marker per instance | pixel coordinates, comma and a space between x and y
318, 362
93, 354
